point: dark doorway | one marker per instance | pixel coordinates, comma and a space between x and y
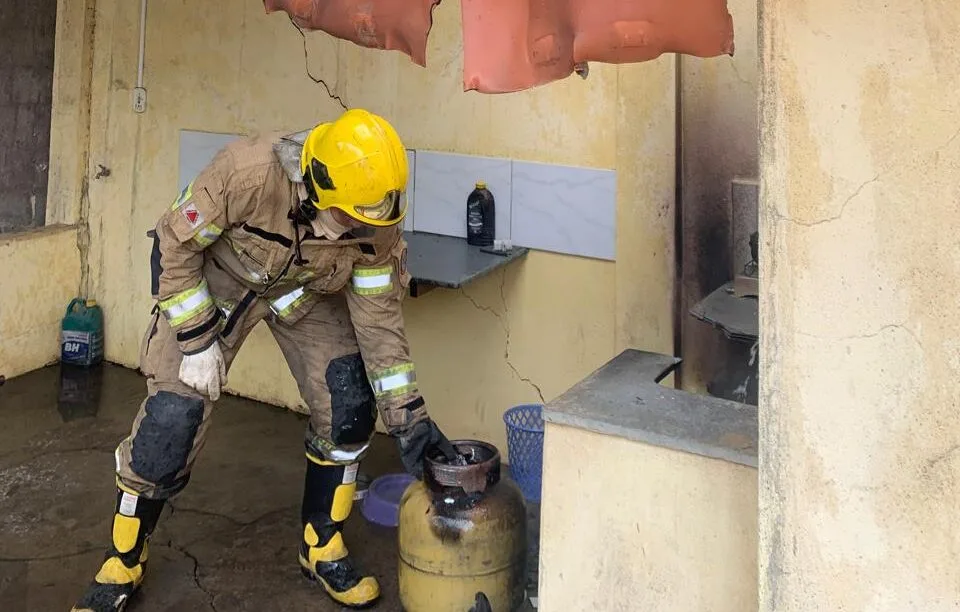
27, 32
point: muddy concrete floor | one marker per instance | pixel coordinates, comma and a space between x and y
228, 542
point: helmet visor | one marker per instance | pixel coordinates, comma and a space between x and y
388, 210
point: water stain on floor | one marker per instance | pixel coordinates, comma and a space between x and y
227, 542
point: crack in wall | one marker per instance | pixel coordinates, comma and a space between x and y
948, 143
892, 326
83, 236
101, 254
86, 119
736, 71
306, 63
506, 332
831, 218
932, 463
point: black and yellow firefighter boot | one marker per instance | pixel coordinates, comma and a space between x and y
327, 501
122, 572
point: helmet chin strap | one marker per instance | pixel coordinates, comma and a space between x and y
308, 214
304, 214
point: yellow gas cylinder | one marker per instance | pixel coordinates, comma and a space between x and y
462, 531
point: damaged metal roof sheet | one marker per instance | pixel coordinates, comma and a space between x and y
400, 25
511, 45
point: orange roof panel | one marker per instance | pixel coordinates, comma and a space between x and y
511, 45
399, 25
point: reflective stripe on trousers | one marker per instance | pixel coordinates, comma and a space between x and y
394, 381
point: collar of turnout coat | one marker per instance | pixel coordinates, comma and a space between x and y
287, 150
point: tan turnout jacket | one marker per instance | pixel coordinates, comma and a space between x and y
229, 240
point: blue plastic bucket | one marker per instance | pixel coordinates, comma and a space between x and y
525, 445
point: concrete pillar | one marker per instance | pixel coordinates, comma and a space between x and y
860, 313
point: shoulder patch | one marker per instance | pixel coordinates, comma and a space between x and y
192, 214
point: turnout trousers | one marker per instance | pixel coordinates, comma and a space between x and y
320, 349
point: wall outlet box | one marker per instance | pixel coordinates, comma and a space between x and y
139, 100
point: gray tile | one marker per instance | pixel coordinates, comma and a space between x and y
744, 195
197, 149
444, 180
408, 221
565, 209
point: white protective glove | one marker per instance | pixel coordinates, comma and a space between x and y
206, 371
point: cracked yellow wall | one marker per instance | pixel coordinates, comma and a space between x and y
536, 328
860, 321
42, 268
678, 535
41, 276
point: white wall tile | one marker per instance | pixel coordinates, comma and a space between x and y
197, 149
564, 209
408, 221
444, 180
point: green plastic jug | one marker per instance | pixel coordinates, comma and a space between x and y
81, 333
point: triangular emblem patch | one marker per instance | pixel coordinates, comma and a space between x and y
193, 215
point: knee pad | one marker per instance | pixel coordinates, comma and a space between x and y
164, 439
353, 407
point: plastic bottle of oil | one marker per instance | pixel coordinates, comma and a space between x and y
481, 216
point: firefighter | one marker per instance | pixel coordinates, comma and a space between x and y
304, 233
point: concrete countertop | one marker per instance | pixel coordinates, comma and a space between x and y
623, 399
447, 261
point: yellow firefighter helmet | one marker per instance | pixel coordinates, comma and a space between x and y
357, 164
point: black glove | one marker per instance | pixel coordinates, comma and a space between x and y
416, 442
